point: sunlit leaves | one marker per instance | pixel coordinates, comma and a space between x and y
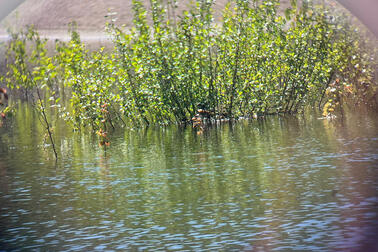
254, 62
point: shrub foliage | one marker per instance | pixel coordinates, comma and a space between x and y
255, 62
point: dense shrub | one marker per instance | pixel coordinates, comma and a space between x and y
254, 62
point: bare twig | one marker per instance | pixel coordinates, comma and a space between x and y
48, 128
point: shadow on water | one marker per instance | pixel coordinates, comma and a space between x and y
278, 183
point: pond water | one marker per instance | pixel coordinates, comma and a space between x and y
280, 183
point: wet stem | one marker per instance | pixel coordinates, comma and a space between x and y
46, 122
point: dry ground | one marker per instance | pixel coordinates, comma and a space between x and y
88, 14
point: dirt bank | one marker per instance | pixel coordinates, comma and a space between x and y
89, 14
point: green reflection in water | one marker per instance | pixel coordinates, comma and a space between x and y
277, 183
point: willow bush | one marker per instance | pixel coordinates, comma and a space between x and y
255, 62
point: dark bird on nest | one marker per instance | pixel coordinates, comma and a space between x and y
3, 100
3, 96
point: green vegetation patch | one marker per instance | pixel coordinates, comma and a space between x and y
255, 62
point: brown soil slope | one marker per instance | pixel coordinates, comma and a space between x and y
88, 14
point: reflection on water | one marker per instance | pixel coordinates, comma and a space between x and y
279, 183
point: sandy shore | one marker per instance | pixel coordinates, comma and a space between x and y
63, 35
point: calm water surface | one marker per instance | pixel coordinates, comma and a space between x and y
274, 184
